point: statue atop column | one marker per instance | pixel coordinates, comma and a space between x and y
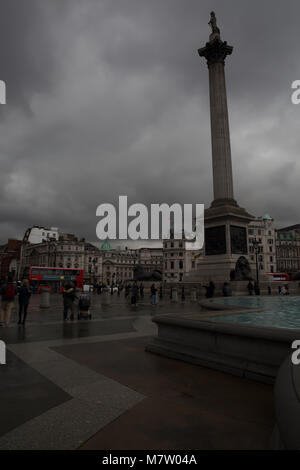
215, 50
213, 24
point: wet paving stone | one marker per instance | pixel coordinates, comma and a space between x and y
25, 394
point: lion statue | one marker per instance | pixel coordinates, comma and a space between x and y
139, 274
242, 271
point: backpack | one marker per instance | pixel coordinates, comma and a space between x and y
9, 292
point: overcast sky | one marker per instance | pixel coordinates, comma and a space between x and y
110, 97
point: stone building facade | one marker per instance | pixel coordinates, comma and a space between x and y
38, 234
100, 265
177, 260
92, 264
263, 230
10, 258
288, 249
118, 264
60, 254
107, 264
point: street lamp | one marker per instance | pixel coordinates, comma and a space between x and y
94, 261
255, 244
52, 251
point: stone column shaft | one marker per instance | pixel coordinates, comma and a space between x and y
220, 137
215, 52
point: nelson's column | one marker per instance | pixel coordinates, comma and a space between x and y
225, 222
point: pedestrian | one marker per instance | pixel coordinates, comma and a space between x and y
160, 293
153, 294
256, 288
182, 294
127, 290
142, 290
210, 290
24, 298
8, 292
227, 292
250, 288
269, 290
134, 294
287, 290
282, 290
68, 298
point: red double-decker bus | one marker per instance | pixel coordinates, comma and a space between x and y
54, 278
278, 276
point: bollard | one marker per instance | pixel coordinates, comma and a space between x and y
174, 295
45, 298
193, 295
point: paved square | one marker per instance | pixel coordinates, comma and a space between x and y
91, 385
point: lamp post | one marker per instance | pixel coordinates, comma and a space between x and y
52, 251
94, 261
255, 244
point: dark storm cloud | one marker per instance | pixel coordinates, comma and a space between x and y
27, 50
109, 97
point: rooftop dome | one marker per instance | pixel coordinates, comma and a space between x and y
267, 217
106, 246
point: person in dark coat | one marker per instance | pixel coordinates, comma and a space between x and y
127, 290
182, 294
69, 296
134, 293
24, 298
226, 290
153, 294
210, 290
250, 288
8, 293
142, 290
160, 292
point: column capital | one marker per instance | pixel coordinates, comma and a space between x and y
215, 51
